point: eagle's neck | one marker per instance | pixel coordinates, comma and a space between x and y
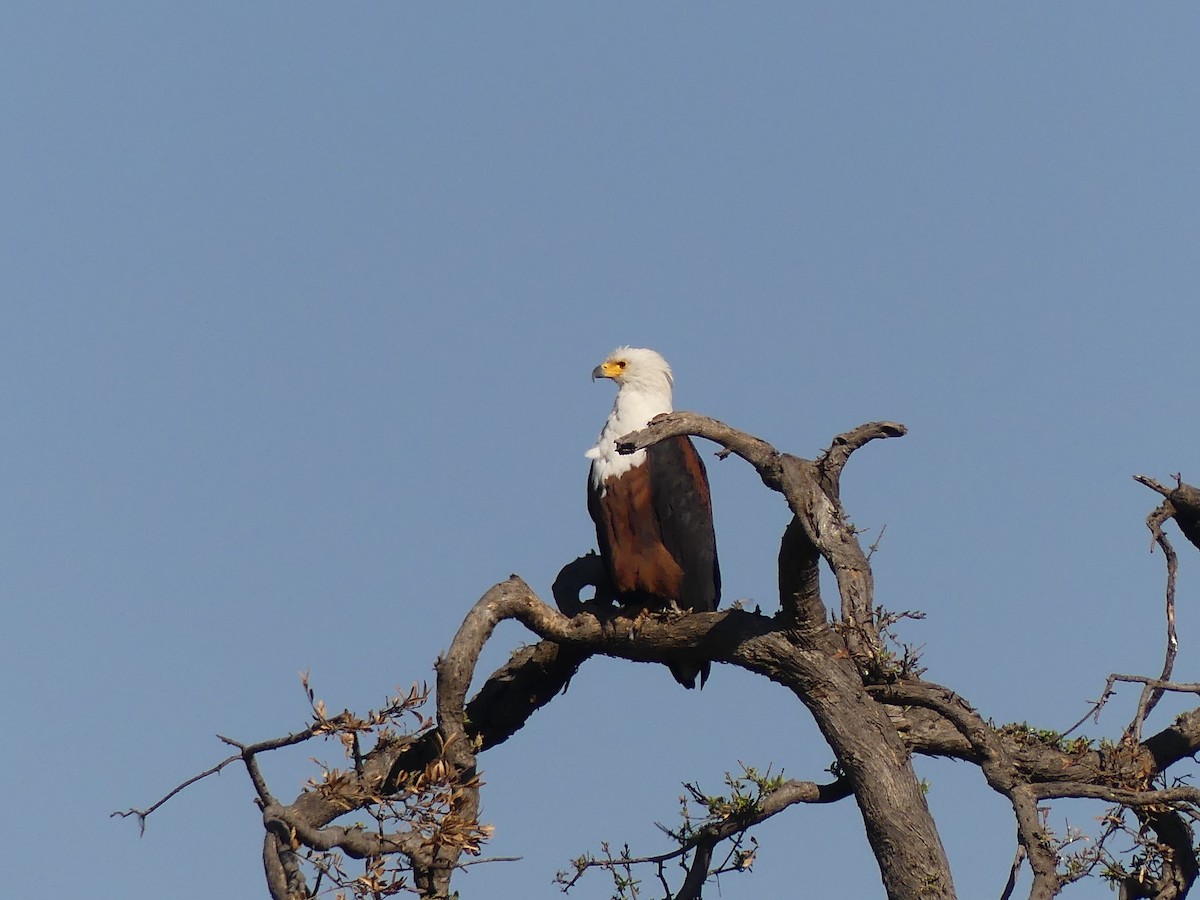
632, 410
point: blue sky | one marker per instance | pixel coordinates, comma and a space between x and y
300, 303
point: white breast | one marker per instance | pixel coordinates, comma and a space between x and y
630, 412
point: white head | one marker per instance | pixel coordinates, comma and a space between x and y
643, 391
636, 369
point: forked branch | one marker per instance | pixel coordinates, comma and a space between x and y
423, 788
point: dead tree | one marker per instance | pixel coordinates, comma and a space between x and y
864, 691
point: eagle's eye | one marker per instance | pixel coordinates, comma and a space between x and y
620, 363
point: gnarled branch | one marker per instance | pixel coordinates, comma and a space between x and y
873, 713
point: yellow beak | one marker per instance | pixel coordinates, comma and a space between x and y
606, 370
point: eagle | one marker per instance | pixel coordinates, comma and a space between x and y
652, 508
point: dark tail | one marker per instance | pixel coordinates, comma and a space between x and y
685, 673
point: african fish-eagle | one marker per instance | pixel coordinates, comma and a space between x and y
652, 508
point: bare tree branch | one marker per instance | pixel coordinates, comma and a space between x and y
873, 709
810, 488
702, 841
1182, 503
143, 814
1151, 694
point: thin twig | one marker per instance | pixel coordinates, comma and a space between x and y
1097, 705
489, 859
878, 540
709, 835
1013, 872
1152, 694
143, 814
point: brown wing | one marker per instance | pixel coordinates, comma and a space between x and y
683, 510
641, 567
